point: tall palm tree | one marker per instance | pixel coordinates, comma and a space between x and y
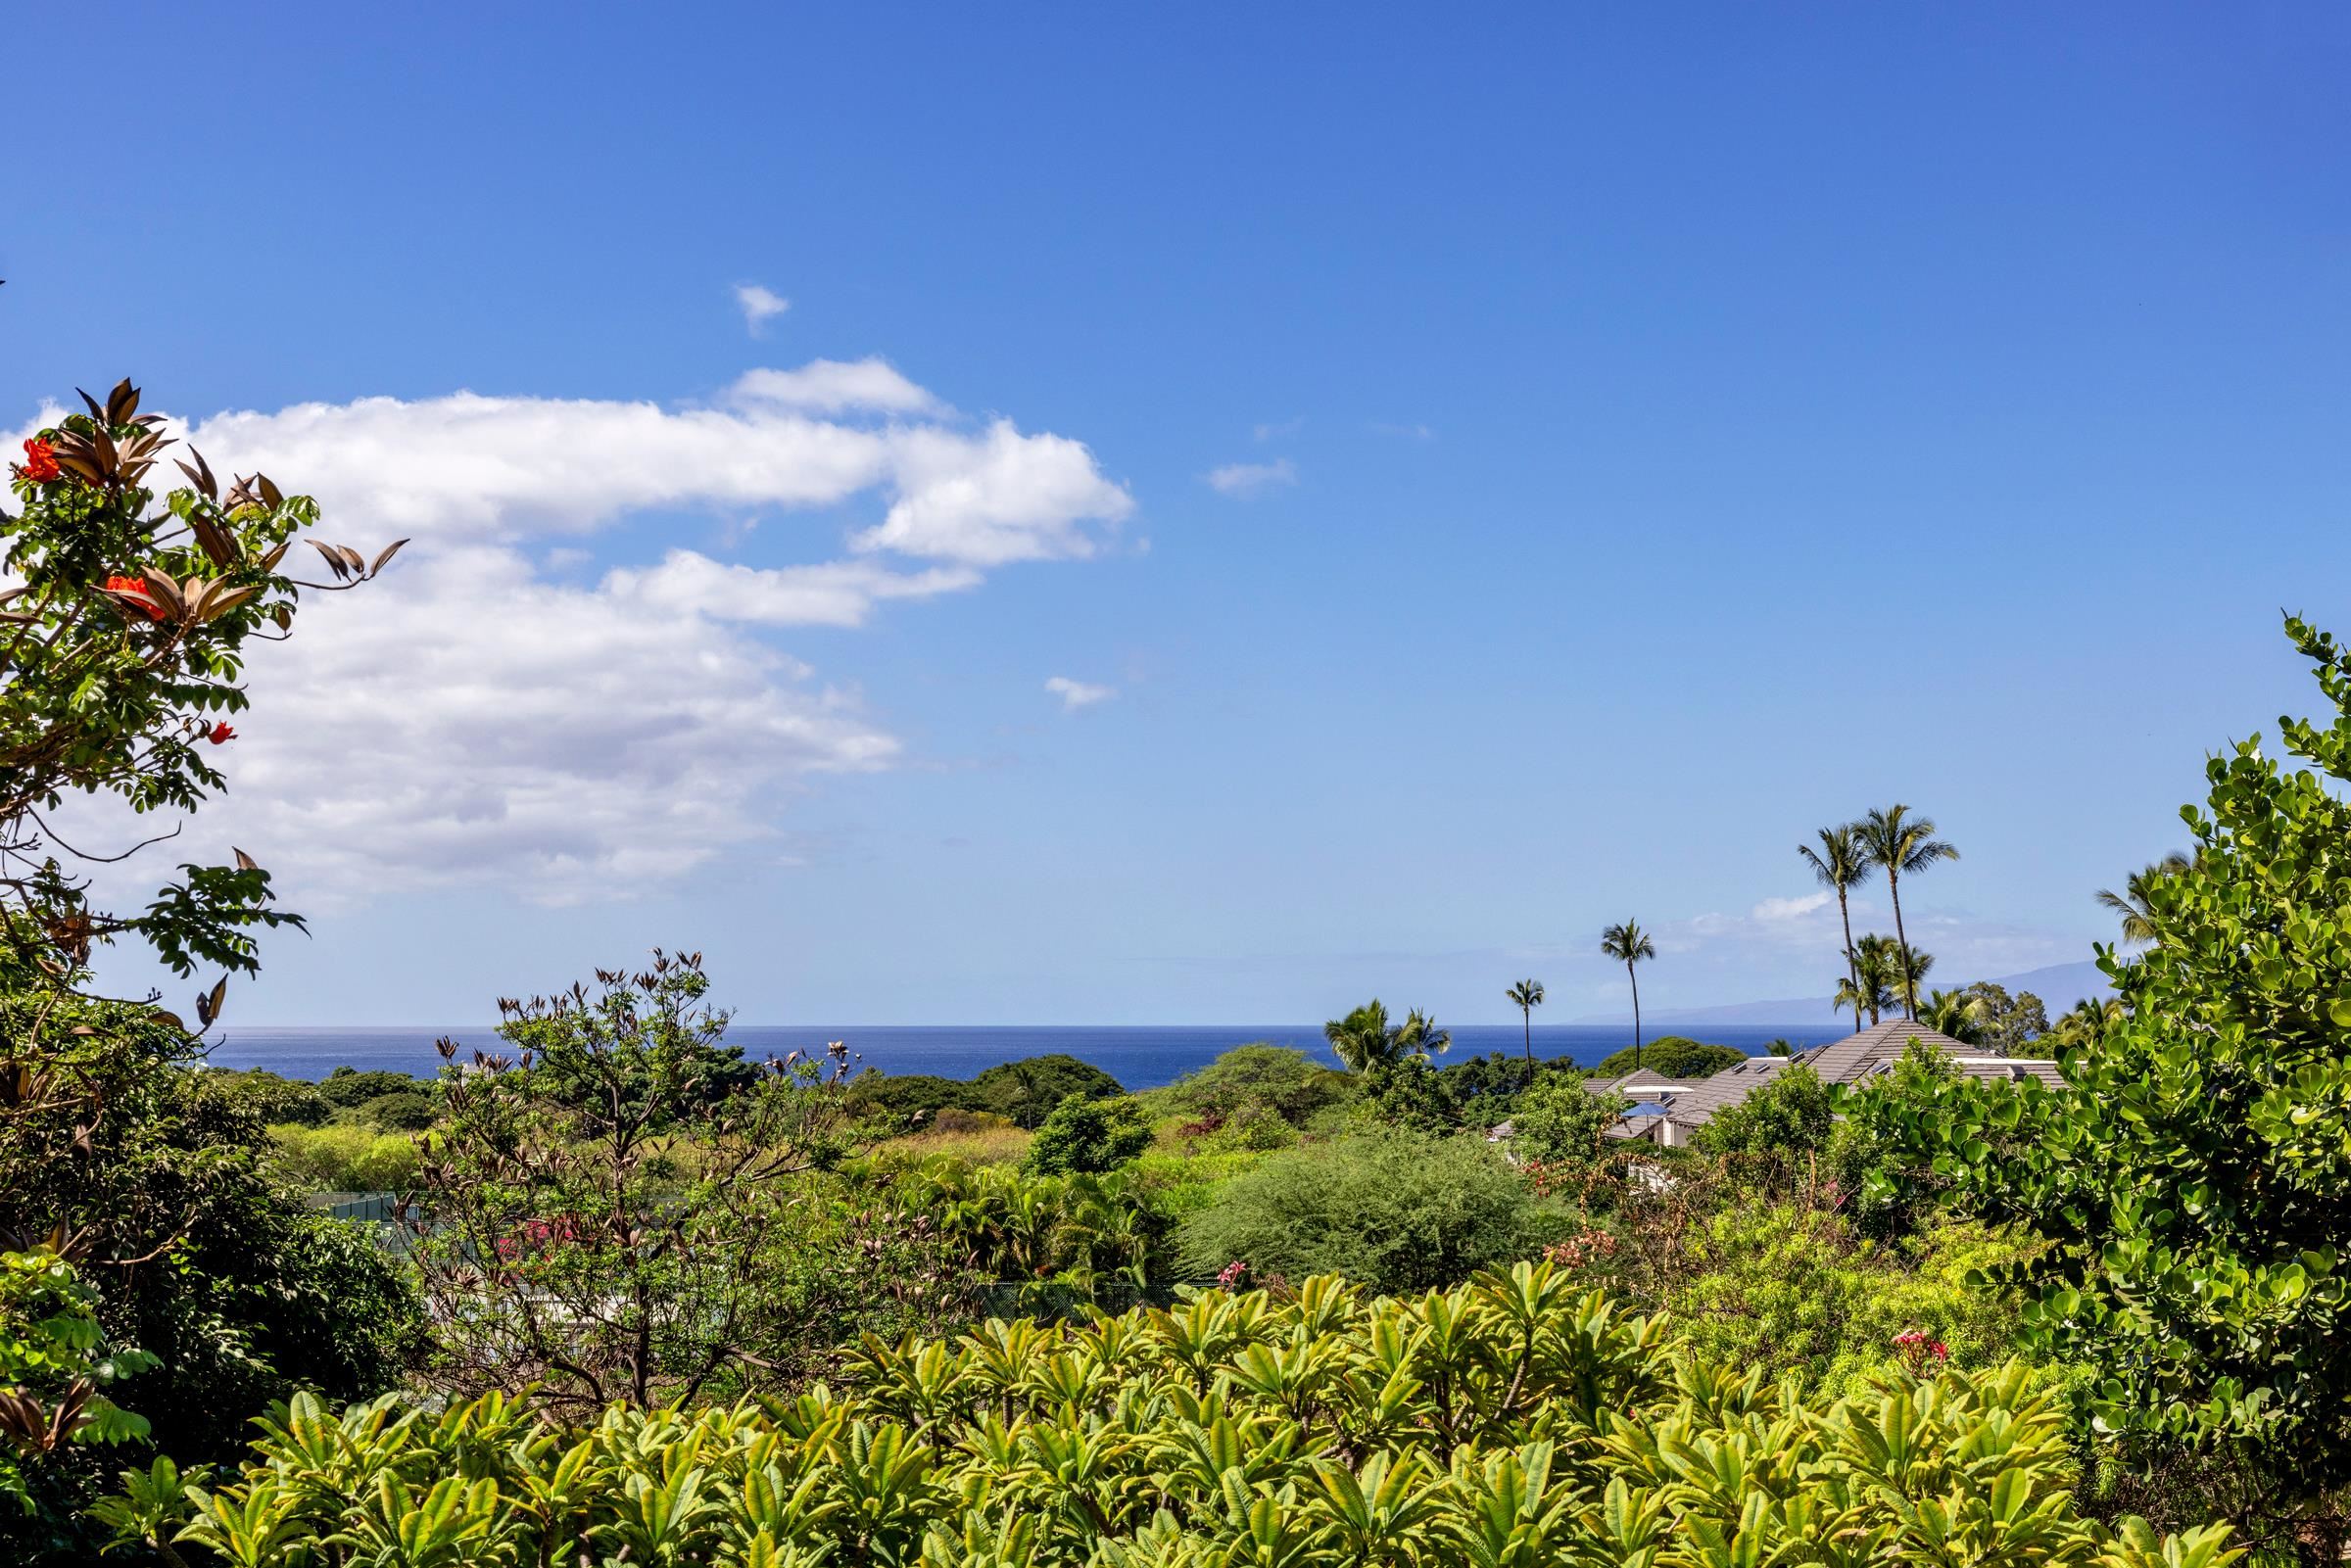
2132, 903
1629, 944
1840, 863
1904, 845
1528, 994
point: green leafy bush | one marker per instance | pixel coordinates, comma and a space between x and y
1032, 1088
1671, 1055
1388, 1207
345, 1158
1791, 1117
1086, 1138
1792, 1289
1561, 1119
2196, 1174
1506, 1424
272, 1099
1280, 1079
346, 1088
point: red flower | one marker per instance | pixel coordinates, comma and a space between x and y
137, 589
40, 462
220, 733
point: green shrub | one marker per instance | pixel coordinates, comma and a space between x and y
1031, 1089
1086, 1138
1672, 1056
346, 1088
404, 1110
1280, 1079
345, 1158
1561, 1119
1507, 1424
1388, 1207
1790, 1116
1795, 1290
271, 1098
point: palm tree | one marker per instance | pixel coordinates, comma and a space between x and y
1955, 1014
2090, 1017
1902, 843
1840, 863
1875, 969
1419, 1035
1528, 994
2132, 903
1629, 944
1910, 965
1365, 1038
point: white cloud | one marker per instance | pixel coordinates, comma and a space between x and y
832, 594
1286, 427
759, 304
1247, 479
481, 715
1076, 695
836, 386
504, 468
1773, 911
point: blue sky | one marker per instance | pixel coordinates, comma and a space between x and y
1647, 433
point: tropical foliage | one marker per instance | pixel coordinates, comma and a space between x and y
2195, 1179
1902, 845
1509, 1422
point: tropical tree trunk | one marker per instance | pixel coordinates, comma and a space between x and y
1852, 964
1526, 1017
1636, 979
1894, 885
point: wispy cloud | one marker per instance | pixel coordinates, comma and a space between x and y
759, 305
1247, 479
1280, 431
1076, 695
1403, 432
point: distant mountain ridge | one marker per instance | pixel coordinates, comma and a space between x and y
2059, 987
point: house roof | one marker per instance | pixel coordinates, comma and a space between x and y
1693, 1102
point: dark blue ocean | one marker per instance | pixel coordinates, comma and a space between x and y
1140, 1058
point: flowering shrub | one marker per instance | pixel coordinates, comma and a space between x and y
1509, 1423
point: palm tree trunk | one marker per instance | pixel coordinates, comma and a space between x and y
1527, 1019
1894, 885
1636, 979
1852, 964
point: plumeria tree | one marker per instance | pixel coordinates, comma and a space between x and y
124, 631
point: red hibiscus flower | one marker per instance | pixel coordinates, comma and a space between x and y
137, 589
220, 733
40, 462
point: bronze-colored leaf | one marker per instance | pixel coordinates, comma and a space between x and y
270, 495
389, 552
270, 560
245, 862
165, 591
215, 540
352, 559
219, 995
92, 404
283, 615
222, 604
165, 1016
334, 559
123, 402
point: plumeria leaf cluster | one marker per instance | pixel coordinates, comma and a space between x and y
126, 626
1510, 1422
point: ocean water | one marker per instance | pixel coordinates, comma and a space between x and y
1138, 1056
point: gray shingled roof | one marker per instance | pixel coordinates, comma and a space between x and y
1692, 1103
